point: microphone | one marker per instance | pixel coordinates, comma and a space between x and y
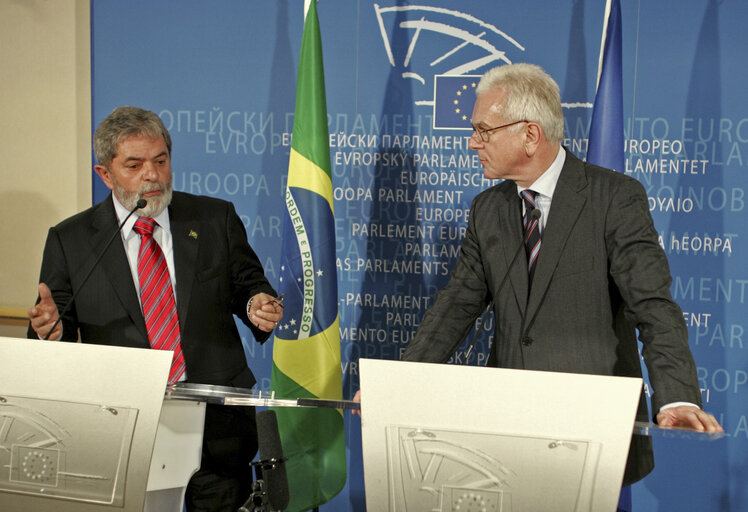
272, 460
534, 215
140, 204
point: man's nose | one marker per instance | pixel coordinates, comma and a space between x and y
475, 142
149, 171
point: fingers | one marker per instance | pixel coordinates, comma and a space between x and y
265, 312
42, 321
689, 417
52, 336
44, 314
709, 422
357, 399
674, 417
44, 293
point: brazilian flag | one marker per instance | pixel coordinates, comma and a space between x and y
306, 351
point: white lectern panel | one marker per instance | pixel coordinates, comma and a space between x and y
448, 438
77, 424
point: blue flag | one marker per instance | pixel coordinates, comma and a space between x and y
454, 97
606, 141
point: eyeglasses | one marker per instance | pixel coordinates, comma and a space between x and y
483, 134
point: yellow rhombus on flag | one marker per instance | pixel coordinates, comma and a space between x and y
306, 350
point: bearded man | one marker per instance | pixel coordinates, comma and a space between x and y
181, 272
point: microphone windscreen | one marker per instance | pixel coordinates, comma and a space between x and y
276, 480
141, 203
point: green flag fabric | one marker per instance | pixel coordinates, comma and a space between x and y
306, 350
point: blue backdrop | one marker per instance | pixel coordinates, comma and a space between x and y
222, 76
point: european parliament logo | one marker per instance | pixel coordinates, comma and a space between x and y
454, 96
442, 51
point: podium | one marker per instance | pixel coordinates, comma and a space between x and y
77, 424
453, 438
92, 428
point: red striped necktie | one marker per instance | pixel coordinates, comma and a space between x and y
157, 296
532, 230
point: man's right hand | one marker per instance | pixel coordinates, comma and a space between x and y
357, 399
44, 314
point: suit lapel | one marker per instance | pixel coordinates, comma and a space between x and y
185, 231
114, 261
510, 227
566, 207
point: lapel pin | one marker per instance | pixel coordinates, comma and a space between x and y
193, 234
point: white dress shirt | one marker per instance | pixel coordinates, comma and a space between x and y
131, 242
544, 187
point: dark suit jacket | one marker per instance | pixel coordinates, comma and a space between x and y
599, 274
216, 274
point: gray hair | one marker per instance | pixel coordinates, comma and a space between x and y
122, 123
531, 94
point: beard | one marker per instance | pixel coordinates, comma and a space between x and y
155, 205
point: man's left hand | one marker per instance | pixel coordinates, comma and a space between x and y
265, 312
690, 417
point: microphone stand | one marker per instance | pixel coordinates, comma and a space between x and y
534, 215
258, 500
480, 328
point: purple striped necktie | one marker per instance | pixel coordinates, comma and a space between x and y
531, 229
157, 296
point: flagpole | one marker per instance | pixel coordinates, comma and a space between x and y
602, 43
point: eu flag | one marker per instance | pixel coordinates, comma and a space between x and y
454, 96
606, 129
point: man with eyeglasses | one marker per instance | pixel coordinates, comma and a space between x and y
594, 269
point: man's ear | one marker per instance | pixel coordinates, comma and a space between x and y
533, 137
105, 176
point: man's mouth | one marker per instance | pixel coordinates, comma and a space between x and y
151, 193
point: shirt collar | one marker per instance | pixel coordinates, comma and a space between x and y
545, 185
162, 219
